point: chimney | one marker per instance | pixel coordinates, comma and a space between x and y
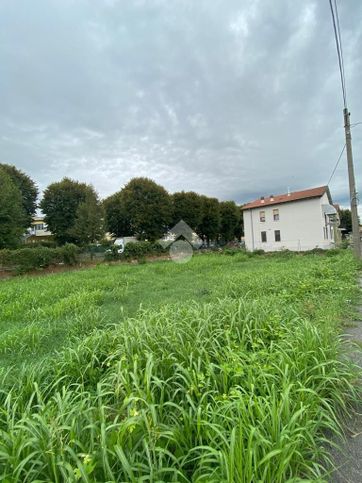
289, 191
262, 200
271, 197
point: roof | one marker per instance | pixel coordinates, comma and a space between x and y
286, 198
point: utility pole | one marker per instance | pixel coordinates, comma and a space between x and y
352, 186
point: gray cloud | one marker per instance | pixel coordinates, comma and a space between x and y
231, 99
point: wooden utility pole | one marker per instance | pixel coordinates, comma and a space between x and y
352, 186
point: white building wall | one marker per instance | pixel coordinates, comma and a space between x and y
300, 223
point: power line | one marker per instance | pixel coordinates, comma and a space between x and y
340, 48
347, 130
337, 36
336, 166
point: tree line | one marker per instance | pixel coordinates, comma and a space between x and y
74, 212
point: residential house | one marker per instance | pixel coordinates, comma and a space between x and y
298, 221
38, 231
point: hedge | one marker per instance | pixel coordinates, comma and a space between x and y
27, 259
141, 249
134, 250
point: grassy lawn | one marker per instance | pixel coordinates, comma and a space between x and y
40, 315
225, 369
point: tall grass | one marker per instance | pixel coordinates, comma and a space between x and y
244, 388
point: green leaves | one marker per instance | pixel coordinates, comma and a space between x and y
11, 212
28, 192
72, 212
238, 389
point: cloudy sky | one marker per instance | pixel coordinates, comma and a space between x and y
233, 99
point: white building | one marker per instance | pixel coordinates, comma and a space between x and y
296, 221
38, 231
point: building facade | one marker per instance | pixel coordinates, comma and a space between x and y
298, 221
38, 231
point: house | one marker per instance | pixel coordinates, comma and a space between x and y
38, 231
298, 221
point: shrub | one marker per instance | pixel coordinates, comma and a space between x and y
137, 249
141, 249
333, 252
230, 251
316, 251
112, 254
345, 243
27, 259
68, 254
256, 253
43, 243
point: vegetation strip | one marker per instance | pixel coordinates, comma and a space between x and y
240, 388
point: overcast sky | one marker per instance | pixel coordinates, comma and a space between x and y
233, 99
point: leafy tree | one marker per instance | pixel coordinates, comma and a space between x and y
89, 222
229, 220
210, 222
149, 208
345, 220
187, 206
239, 230
60, 205
117, 219
28, 191
11, 212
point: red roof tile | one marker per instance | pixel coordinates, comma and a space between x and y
286, 198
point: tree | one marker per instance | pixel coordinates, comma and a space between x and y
117, 219
28, 191
187, 206
229, 220
345, 220
239, 231
60, 205
89, 222
210, 222
11, 212
149, 208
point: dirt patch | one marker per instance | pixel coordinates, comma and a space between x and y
7, 274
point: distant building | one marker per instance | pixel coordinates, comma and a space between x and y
298, 221
38, 231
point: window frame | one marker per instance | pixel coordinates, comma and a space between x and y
262, 216
276, 215
277, 234
263, 237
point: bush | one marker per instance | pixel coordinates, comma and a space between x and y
43, 243
112, 254
141, 249
231, 251
345, 243
68, 254
316, 251
27, 259
256, 253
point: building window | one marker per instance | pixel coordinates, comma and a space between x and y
263, 236
276, 214
39, 226
262, 216
277, 235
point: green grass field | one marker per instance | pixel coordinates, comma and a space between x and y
225, 369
